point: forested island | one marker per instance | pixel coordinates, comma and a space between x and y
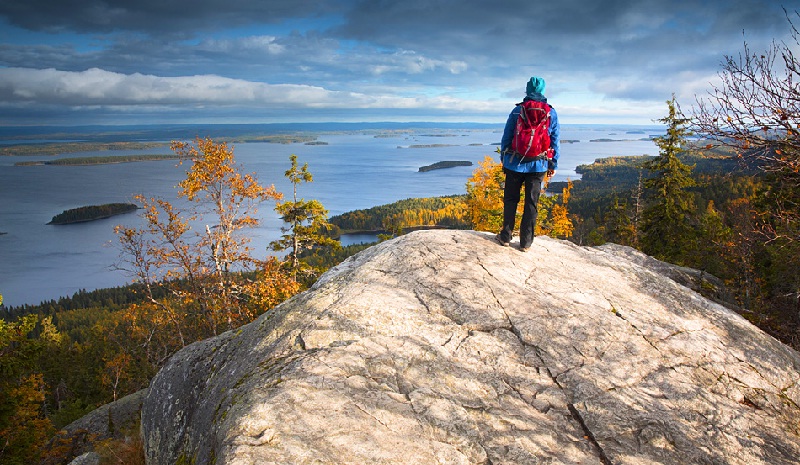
444, 164
308, 139
427, 146
618, 140
86, 161
92, 212
57, 148
64, 147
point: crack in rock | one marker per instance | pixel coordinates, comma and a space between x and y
573, 411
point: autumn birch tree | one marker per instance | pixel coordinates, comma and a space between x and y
197, 265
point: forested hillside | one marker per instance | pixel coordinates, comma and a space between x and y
720, 178
405, 214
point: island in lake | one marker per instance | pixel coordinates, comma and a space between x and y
427, 146
92, 212
444, 164
87, 161
72, 147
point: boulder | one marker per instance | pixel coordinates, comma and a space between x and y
442, 347
111, 420
89, 458
115, 420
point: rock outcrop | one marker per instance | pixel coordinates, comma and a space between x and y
442, 347
116, 420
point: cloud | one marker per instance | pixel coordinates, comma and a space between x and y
251, 44
454, 56
620, 40
97, 87
155, 17
312, 58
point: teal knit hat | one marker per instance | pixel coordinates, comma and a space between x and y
535, 86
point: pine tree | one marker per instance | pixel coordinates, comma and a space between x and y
711, 254
619, 224
667, 219
307, 222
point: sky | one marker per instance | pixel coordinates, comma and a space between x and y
74, 62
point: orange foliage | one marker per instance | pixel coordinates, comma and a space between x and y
198, 270
485, 196
26, 429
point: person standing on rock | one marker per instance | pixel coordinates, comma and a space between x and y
527, 170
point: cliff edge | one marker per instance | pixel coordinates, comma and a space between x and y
442, 347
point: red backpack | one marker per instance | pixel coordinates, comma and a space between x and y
532, 135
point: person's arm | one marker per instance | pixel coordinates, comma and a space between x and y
555, 142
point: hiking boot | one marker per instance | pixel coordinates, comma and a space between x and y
501, 241
524, 249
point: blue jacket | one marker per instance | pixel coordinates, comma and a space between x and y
514, 163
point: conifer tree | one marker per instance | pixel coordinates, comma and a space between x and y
307, 221
711, 252
667, 219
620, 227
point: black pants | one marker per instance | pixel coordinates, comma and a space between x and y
511, 197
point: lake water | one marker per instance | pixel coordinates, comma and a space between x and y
354, 171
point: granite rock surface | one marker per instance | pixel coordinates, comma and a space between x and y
442, 347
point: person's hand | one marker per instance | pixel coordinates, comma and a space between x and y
551, 173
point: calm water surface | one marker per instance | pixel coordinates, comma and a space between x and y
40, 262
